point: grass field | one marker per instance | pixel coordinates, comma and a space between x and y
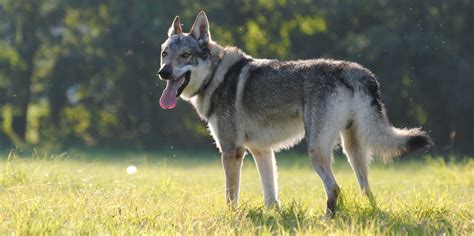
183, 193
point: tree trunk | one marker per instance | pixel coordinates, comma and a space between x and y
21, 102
27, 45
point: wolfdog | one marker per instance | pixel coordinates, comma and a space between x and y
262, 106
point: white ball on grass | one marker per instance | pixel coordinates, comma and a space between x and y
131, 170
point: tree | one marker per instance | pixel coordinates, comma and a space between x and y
25, 22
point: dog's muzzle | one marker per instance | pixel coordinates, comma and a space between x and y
165, 72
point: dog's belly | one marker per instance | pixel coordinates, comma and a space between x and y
277, 135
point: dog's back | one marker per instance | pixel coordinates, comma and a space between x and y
273, 94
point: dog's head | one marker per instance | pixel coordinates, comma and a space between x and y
185, 60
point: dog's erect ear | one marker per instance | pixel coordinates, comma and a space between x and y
175, 27
200, 29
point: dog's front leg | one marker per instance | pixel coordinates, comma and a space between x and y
266, 165
232, 162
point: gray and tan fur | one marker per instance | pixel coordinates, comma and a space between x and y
264, 106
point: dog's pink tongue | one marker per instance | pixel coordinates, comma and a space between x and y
168, 98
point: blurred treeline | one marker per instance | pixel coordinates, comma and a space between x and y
83, 72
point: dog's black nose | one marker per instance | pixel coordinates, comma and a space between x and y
165, 72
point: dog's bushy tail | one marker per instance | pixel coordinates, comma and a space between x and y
376, 132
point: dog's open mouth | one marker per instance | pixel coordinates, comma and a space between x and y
173, 89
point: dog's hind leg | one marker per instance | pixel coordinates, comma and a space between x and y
266, 165
321, 132
321, 160
358, 157
232, 162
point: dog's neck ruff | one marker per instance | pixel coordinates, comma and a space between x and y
208, 80
232, 75
224, 59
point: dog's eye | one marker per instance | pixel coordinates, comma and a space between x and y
185, 55
164, 54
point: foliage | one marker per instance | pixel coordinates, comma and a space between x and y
183, 194
83, 72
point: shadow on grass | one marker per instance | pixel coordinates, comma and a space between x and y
351, 217
292, 218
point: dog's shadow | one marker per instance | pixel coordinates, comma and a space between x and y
360, 216
291, 218
296, 218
